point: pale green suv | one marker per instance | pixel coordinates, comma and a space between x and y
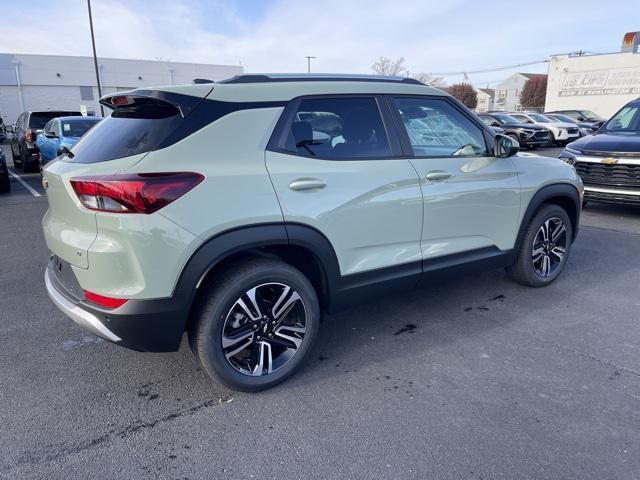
239, 211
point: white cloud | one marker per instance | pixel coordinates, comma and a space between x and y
346, 36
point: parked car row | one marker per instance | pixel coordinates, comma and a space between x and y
61, 134
52, 130
529, 128
529, 136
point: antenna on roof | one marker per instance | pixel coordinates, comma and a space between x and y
198, 81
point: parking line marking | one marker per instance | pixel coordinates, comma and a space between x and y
25, 185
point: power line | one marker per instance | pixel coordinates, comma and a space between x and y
486, 70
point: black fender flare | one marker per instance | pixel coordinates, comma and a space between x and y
225, 244
556, 191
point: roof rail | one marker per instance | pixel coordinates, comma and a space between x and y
305, 77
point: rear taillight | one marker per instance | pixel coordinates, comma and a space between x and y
102, 301
28, 135
133, 193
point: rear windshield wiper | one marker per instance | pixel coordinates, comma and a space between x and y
67, 152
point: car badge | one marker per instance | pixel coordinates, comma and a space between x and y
609, 161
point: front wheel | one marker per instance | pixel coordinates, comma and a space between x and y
255, 324
544, 249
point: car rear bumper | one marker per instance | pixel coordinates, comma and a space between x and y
153, 325
80, 316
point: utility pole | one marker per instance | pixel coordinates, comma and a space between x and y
309, 63
95, 58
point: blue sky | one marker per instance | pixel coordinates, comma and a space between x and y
345, 35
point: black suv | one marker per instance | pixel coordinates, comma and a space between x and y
23, 140
531, 136
609, 160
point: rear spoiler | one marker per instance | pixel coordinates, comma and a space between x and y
184, 103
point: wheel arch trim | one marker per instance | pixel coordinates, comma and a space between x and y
549, 192
230, 242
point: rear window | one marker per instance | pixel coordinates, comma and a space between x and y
38, 120
77, 128
130, 130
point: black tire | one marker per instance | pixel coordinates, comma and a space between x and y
17, 162
515, 137
28, 164
526, 270
213, 317
23, 160
5, 184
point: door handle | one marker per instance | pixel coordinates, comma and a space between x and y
306, 184
437, 176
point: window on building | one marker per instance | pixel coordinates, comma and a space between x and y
502, 93
86, 93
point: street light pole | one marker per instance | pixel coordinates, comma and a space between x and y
95, 58
309, 63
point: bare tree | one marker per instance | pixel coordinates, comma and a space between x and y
430, 80
392, 68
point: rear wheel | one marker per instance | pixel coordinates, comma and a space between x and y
544, 249
5, 184
28, 164
255, 325
17, 158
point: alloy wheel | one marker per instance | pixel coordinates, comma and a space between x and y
264, 329
549, 247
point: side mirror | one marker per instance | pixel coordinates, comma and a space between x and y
50, 135
581, 118
529, 121
505, 146
495, 124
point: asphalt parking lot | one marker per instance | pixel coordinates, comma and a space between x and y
477, 378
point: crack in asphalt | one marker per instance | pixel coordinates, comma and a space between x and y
121, 433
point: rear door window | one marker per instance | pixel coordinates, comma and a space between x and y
338, 128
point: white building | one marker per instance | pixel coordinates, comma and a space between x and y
52, 82
485, 97
600, 83
507, 96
